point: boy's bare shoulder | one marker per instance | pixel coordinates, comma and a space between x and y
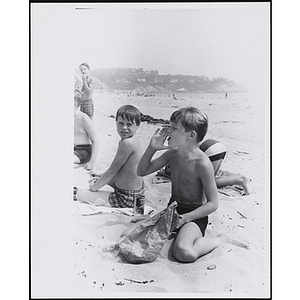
84, 117
132, 142
203, 162
201, 157
172, 156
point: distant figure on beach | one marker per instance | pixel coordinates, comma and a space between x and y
225, 95
192, 177
174, 97
216, 153
85, 137
122, 173
88, 87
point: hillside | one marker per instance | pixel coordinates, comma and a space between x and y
139, 81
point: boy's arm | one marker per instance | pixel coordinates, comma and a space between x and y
125, 149
206, 175
87, 87
90, 129
146, 166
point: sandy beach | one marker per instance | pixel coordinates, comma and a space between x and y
240, 123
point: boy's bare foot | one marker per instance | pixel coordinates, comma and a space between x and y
244, 183
225, 239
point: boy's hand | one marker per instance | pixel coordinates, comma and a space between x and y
181, 222
93, 181
94, 178
158, 139
140, 218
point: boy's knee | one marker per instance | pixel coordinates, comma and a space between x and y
184, 253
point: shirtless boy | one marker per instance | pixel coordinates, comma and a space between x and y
122, 173
85, 137
192, 175
88, 87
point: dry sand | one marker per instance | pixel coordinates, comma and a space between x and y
240, 123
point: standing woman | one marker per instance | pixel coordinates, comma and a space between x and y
89, 84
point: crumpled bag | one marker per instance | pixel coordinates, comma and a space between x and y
142, 242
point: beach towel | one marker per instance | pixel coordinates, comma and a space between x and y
143, 241
99, 210
232, 191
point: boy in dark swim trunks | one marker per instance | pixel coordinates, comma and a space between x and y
122, 173
192, 175
85, 137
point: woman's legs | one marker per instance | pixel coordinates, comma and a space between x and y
232, 179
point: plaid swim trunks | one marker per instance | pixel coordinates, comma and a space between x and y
83, 152
87, 106
125, 198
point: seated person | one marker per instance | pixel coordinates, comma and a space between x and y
216, 152
192, 176
85, 137
122, 173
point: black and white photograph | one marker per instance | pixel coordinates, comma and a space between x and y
151, 160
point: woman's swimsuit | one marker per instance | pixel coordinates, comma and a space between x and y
215, 151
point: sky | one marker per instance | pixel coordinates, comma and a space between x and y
230, 40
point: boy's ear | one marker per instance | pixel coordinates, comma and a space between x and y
193, 134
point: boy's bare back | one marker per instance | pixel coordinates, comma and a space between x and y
126, 177
122, 173
82, 124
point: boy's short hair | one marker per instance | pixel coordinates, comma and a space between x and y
84, 64
130, 113
191, 118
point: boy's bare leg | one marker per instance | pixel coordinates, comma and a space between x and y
99, 198
225, 239
190, 244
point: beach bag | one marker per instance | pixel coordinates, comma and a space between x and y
143, 241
